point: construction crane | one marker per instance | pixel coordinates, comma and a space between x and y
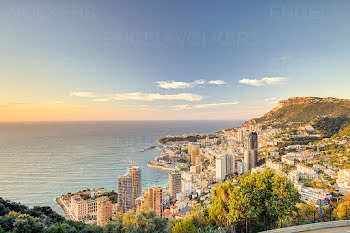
132, 167
128, 161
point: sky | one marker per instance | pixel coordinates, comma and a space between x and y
72, 60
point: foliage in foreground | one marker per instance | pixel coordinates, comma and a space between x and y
262, 199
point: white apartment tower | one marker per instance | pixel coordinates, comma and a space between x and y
220, 167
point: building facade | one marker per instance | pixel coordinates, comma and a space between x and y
104, 210
220, 169
125, 193
83, 209
251, 154
174, 183
155, 199
135, 172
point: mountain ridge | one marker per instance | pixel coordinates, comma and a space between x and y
303, 110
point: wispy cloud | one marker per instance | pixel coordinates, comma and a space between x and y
267, 81
179, 85
217, 82
203, 106
215, 105
181, 107
101, 100
84, 94
155, 96
272, 99
183, 85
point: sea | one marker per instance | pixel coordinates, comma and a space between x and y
40, 161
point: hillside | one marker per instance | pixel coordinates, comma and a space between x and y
303, 109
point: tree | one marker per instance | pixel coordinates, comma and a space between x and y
263, 199
7, 221
143, 220
92, 229
185, 226
28, 224
3, 210
62, 228
306, 214
113, 227
220, 203
343, 209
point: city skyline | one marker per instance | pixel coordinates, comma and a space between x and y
157, 60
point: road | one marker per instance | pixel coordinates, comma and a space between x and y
333, 230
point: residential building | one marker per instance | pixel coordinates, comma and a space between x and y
174, 183
135, 172
195, 152
155, 199
311, 195
241, 167
343, 179
225, 165
125, 193
83, 209
240, 134
104, 210
230, 164
220, 167
196, 169
251, 154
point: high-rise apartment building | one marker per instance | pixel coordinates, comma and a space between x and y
240, 134
104, 210
220, 170
241, 167
225, 165
135, 172
253, 141
247, 159
174, 183
251, 154
155, 199
125, 193
195, 152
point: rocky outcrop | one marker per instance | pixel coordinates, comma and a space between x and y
303, 109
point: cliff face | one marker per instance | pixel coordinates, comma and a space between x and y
304, 109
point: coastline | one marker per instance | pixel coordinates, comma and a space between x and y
65, 209
160, 167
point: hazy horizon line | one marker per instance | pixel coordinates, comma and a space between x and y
77, 121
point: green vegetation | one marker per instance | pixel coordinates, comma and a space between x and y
112, 195
262, 199
329, 126
298, 141
305, 109
18, 218
345, 130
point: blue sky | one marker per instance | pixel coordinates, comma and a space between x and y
162, 59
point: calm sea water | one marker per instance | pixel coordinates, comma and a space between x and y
41, 161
